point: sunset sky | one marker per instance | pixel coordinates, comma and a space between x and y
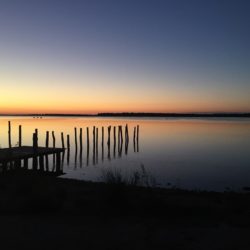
90, 56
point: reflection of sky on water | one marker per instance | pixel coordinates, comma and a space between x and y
189, 153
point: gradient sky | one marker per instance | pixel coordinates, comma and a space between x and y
72, 56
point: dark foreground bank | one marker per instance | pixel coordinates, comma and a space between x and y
38, 212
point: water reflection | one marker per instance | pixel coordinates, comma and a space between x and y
191, 153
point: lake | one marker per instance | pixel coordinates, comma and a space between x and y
193, 153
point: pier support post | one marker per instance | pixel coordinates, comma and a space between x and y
9, 133
76, 138
20, 136
62, 138
54, 139
47, 139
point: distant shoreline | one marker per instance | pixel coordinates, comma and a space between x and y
130, 114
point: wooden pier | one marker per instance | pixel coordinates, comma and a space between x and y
19, 157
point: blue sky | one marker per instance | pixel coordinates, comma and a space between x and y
163, 55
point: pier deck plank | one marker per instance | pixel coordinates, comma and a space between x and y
18, 153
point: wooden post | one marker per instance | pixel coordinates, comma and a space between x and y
76, 138
102, 136
120, 141
93, 138
121, 135
102, 143
68, 142
35, 141
114, 140
126, 139
20, 136
9, 133
96, 139
134, 133
108, 142
126, 133
47, 139
62, 137
134, 138
80, 138
54, 139
109, 129
68, 155
137, 138
87, 129
94, 147
97, 145
35, 147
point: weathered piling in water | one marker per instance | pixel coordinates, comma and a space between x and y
126, 139
126, 133
137, 135
97, 145
137, 138
87, 131
119, 138
102, 136
87, 136
94, 138
76, 152
62, 138
68, 153
47, 139
120, 134
120, 141
97, 137
54, 145
108, 142
76, 138
35, 147
134, 137
35, 141
94, 147
114, 150
102, 143
80, 139
9, 133
68, 142
47, 145
54, 139
109, 129
20, 136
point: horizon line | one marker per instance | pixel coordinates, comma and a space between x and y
139, 114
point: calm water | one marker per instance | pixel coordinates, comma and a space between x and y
212, 154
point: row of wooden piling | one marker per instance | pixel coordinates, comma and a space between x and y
95, 137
